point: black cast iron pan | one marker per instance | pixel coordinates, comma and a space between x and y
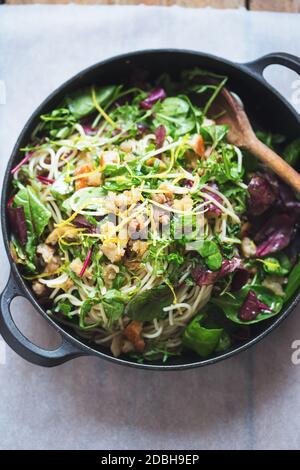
264, 105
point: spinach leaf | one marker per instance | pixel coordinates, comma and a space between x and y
200, 339
293, 282
176, 114
80, 103
37, 215
149, 304
174, 106
292, 152
231, 305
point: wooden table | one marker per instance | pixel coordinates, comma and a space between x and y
267, 5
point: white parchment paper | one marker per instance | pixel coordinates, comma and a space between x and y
250, 401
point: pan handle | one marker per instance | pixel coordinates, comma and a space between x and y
20, 344
281, 58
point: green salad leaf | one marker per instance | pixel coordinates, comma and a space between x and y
84, 311
291, 152
200, 339
176, 114
293, 282
210, 251
149, 304
36, 213
113, 303
280, 266
80, 103
231, 304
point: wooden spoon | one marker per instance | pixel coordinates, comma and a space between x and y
241, 134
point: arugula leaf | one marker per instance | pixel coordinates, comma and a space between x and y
270, 139
209, 250
58, 122
65, 308
114, 170
200, 339
120, 278
37, 215
84, 311
120, 183
113, 303
222, 169
214, 134
231, 305
291, 152
153, 353
175, 258
224, 342
80, 103
293, 282
149, 304
237, 197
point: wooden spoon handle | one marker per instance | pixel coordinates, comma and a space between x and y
275, 162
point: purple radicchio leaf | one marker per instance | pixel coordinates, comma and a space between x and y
160, 135
212, 209
81, 222
155, 95
275, 235
287, 200
16, 216
240, 278
261, 195
205, 277
229, 266
251, 307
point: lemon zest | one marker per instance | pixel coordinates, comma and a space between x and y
101, 110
